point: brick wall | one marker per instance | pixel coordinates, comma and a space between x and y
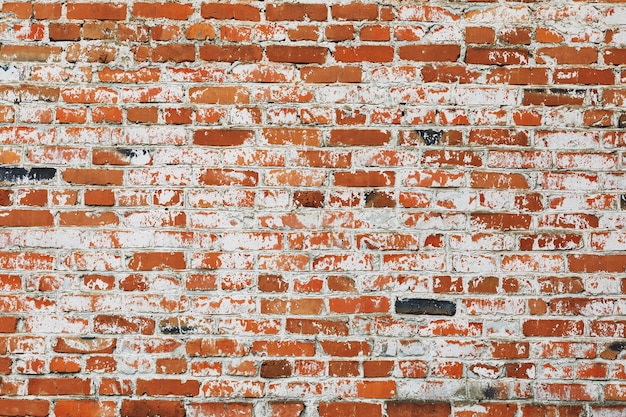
325, 209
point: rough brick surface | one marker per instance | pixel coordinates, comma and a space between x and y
323, 208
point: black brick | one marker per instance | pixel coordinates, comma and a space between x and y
430, 137
17, 175
425, 306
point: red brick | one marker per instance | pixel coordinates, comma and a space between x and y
93, 176
162, 10
501, 221
219, 95
501, 56
354, 11
84, 408
296, 54
142, 115
174, 52
597, 263
418, 409
223, 177
510, 350
276, 369
219, 137
345, 349
504, 137
8, 324
80, 345
498, 180
615, 56
99, 198
98, 30
283, 348
333, 74
585, 76
449, 74
228, 53
546, 35
430, 53
64, 32
121, 325
148, 261
518, 76
568, 55
33, 53
87, 218
159, 387
315, 326
349, 409
364, 304
215, 347
553, 328
480, 35
375, 33
152, 408
364, 53
200, 31
59, 386
364, 179
25, 407
26, 218
143, 75
296, 12
338, 33
43, 11
20, 10
96, 11
287, 409
221, 409
224, 11
516, 36
377, 368
358, 137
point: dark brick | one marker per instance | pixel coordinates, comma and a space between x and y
167, 327
275, 369
612, 350
15, 175
152, 408
313, 199
133, 153
425, 306
6, 197
418, 409
379, 199
430, 137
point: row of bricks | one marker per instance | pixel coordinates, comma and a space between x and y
354, 115
369, 32
459, 390
278, 408
218, 74
186, 52
318, 284
608, 14
199, 321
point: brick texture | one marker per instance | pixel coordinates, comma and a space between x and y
277, 208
